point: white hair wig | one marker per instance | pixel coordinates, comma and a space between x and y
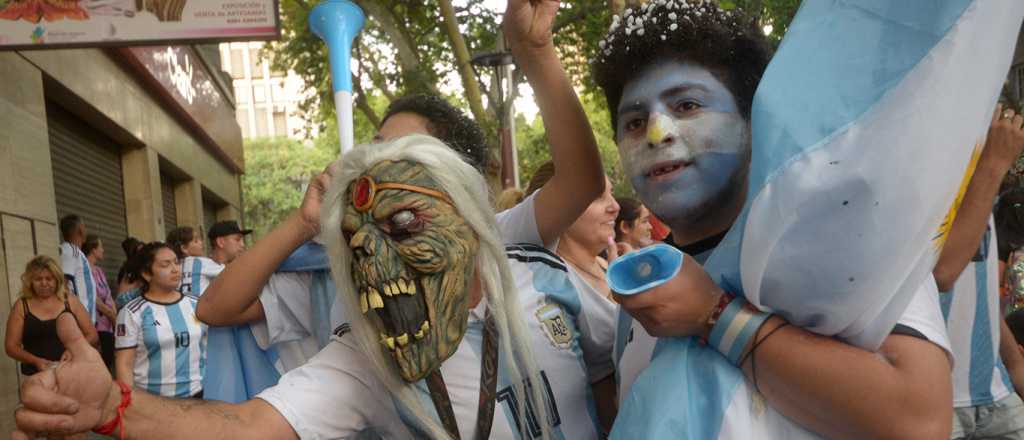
469, 191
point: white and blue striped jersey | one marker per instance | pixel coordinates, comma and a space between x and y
972, 316
562, 324
196, 275
169, 343
78, 273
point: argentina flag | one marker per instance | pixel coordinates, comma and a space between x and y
866, 127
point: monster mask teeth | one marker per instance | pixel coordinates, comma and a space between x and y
363, 304
388, 341
402, 340
412, 288
387, 290
375, 300
419, 335
402, 286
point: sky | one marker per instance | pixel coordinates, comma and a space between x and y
525, 104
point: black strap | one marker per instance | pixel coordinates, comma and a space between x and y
698, 247
488, 388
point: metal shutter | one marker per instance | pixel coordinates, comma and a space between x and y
87, 181
170, 209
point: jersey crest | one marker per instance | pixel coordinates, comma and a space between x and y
556, 325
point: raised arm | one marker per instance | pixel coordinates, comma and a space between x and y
1002, 147
87, 398
579, 177
233, 297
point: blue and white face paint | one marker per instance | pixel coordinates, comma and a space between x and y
682, 141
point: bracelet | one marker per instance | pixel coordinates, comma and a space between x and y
118, 421
753, 358
734, 328
716, 313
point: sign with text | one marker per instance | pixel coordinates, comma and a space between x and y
41, 24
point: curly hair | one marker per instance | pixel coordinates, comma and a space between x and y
448, 124
728, 43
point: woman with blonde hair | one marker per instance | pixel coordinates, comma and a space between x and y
32, 323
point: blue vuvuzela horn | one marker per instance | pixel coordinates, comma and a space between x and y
337, 22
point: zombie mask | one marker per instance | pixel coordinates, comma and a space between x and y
412, 262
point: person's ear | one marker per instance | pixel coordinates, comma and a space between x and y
623, 227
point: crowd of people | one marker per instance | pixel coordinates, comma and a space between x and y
398, 301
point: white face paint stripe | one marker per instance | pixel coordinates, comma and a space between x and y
735, 327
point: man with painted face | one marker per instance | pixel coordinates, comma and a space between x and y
680, 80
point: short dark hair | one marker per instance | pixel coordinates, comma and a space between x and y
447, 123
92, 241
728, 43
1009, 221
179, 237
1015, 321
68, 224
629, 211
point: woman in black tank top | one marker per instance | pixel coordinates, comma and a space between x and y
32, 324
40, 338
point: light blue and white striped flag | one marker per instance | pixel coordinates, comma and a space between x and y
865, 128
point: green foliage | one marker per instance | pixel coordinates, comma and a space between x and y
277, 172
533, 147
383, 76
376, 55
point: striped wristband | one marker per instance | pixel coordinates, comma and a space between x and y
734, 328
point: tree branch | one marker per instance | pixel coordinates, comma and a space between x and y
406, 50
362, 103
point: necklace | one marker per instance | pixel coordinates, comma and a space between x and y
581, 268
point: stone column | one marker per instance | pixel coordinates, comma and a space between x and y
142, 197
188, 200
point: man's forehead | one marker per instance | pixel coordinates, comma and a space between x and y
661, 77
403, 124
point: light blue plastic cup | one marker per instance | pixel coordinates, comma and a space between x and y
643, 270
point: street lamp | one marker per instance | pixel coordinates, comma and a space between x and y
504, 89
